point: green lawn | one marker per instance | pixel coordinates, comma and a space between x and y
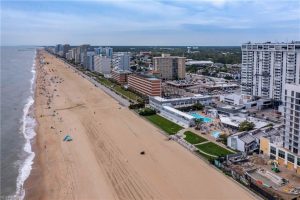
207, 157
127, 93
166, 125
213, 149
193, 138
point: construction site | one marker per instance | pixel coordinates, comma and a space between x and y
262, 175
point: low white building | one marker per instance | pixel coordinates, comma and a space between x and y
242, 141
235, 99
249, 141
157, 102
102, 64
234, 121
177, 116
167, 108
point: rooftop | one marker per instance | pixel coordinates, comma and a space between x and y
198, 62
236, 120
173, 110
122, 71
146, 76
198, 96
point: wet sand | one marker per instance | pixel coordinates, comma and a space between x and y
103, 161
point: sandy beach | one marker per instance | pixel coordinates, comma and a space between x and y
103, 161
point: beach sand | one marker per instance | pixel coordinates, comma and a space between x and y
103, 161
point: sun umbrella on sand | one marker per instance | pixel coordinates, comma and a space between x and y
68, 138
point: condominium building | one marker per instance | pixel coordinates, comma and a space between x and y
267, 67
90, 60
69, 55
59, 49
102, 64
145, 85
286, 148
77, 55
170, 67
104, 51
66, 48
120, 76
121, 61
108, 52
291, 139
83, 54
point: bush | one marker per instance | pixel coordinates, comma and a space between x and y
147, 112
223, 138
136, 106
246, 126
196, 106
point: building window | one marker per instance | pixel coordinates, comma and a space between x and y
273, 150
291, 158
281, 154
295, 150
272, 157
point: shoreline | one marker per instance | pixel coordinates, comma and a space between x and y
34, 179
28, 130
99, 162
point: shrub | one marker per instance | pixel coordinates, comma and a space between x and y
147, 112
136, 106
246, 126
196, 106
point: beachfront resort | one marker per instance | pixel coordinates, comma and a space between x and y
209, 116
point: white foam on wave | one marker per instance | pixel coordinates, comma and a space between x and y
28, 130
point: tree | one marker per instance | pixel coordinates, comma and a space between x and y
198, 123
228, 77
246, 126
223, 138
198, 106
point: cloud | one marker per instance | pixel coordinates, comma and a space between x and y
153, 21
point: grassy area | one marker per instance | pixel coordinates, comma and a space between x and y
213, 149
166, 125
127, 93
193, 138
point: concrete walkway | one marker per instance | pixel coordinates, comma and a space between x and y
202, 142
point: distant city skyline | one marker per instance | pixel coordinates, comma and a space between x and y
149, 22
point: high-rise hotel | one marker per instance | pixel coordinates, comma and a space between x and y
267, 67
291, 139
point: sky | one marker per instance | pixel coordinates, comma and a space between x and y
149, 22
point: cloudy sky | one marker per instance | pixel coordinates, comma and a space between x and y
149, 22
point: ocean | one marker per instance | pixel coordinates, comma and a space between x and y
17, 120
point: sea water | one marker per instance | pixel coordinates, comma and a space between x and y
17, 118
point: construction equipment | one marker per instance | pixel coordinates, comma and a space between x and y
274, 164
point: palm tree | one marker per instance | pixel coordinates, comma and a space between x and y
198, 123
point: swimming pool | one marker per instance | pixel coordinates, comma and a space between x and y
198, 116
216, 134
